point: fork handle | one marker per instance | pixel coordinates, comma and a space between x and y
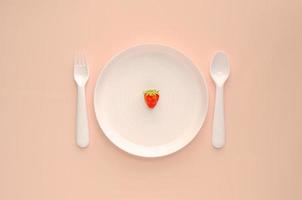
218, 136
82, 131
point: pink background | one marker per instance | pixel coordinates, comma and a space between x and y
262, 158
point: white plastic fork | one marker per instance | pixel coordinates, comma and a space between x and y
81, 76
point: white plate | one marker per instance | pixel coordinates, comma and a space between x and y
123, 115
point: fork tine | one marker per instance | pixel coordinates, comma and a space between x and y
84, 60
79, 59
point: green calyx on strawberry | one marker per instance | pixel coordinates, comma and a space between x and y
151, 97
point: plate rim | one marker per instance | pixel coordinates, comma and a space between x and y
135, 149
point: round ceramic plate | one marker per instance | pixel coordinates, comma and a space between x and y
123, 114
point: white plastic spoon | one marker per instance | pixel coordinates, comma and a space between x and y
220, 71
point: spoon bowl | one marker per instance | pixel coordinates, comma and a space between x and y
220, 69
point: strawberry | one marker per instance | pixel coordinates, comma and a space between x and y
151, 98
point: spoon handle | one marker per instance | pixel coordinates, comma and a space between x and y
218, 136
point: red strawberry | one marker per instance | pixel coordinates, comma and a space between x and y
151, 98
